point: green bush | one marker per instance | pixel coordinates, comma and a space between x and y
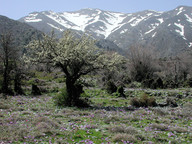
153, 83
148, 83
171, 101
188, 83
83, 103
135, 85
53, 89
90, 93
60, 80
111, 87
146, 101
143, 101
61, 99
121, 91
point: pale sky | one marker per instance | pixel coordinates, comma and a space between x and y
16, 9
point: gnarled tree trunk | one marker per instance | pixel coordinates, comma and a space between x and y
74, 91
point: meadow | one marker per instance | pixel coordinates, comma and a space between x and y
110, 119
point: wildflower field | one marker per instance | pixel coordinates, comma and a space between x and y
110, 119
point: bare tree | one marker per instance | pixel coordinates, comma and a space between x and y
141, 63
176, 69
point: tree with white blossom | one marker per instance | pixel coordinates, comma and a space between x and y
75, 56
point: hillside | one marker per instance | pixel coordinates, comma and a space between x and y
22, 33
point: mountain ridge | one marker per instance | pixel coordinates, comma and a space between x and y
146, 27
79, 20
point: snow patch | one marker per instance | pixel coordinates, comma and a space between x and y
123, 31
79, 20
59, 19
159, 12
155, 24
181, 31
32, 18
132, 19
160, 20
190, 44
33, 15
149, 14
154, 34
114, 22
56, 27
136, 21
189, 19
180, 10
150, 31
100, 32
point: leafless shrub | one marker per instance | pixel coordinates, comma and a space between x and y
161, 127
176, 70
148, 142
124, 137
160, 111
12, 133
112, 119
123, 129
166, 120
135, 102
132, 117
187, 110
3, 105
26, 112
44, 128
143, 101
45, 120
141, 63
179, 129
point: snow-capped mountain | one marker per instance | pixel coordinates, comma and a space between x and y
169, 31
101, 23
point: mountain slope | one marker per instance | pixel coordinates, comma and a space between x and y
22, 33
169, 32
